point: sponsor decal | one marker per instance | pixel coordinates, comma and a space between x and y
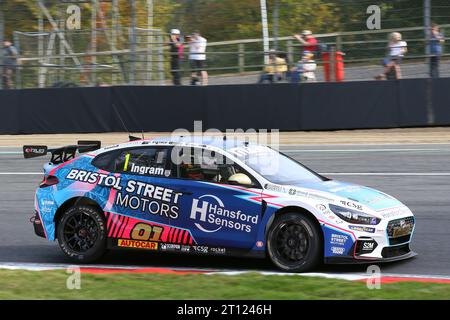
185, 248
321, 207
217, 250
338, 239
155, 171
259, 244
337, 250
200, 249
126, 243
297, 192
352, 205
276, 188
135, 195
211, 215
366, 246
35, 150
362, 229
46, 206
171, 247
111, 147
393, 212
174, 247
146, 232
46, 202
91, 177
148, 198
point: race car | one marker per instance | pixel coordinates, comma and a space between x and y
212, 196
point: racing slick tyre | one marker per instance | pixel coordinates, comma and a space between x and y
294, 242
81, 233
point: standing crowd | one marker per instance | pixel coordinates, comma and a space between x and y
197, 57
277, 67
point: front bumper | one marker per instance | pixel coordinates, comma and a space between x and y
390, 254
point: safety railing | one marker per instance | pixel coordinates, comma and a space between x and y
142, 57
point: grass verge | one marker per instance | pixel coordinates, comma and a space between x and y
52, 285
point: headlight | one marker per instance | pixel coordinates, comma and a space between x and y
353, 216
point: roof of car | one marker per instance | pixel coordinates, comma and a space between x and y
220, 142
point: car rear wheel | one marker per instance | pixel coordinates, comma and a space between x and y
81, 233
294, 242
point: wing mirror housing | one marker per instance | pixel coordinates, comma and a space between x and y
240, 179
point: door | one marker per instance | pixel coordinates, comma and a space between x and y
143, 207
216, 211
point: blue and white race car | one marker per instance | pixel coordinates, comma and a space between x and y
212, 196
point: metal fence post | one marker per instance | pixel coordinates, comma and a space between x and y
338, 43
162, 77
18, 75
332, 63
241, 57
290, 51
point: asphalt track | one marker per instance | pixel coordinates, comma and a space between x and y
418, 175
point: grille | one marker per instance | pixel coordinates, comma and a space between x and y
399, 230
389, 252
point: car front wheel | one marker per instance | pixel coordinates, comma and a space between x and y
294, 242
81, 233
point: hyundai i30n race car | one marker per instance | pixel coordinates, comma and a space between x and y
212, 196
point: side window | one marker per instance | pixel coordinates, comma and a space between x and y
148, 161
105, 161
206, 165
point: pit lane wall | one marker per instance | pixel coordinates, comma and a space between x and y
317, 106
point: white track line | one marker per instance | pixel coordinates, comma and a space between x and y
20, 173
351, 276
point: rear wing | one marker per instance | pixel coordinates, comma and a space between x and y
61, 154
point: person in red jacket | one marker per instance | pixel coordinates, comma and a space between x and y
309, 43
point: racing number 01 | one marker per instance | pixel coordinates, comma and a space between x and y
146, 232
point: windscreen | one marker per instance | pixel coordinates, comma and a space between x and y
274, 166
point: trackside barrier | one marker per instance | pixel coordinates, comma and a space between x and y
315, 106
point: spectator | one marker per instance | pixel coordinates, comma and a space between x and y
176, 55
436, 40
309, 43
307, 67
397, 49
197, 58
10, 63
275, 69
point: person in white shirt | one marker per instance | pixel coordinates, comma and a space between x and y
197, 58
397, 49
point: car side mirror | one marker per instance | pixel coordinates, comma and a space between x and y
240, 179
